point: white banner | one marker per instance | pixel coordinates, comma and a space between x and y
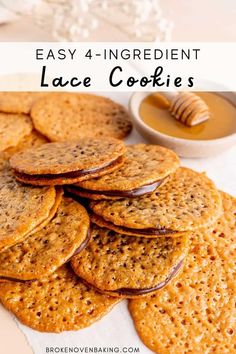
35, 66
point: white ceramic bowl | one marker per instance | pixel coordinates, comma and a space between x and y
183, 147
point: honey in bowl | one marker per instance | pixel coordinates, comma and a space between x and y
154, 111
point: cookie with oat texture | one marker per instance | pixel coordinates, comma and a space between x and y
196, 312
68, 162
130, 267
13, 128
187, 201
41, 253
22, 208
145, 168
71, 116
57, 303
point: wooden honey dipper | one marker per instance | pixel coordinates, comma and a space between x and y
187, 107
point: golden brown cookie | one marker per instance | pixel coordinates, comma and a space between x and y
75, 191
32, 140
22, 208
52, 212
13, 128
18, 102
185, 202
41, 253
196, 312
70, 116
132, 232
145, 168
42, 224
57, 303
125, 266
68, 162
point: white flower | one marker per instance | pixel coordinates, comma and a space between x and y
70, 19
